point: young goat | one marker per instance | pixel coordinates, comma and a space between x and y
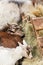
9, 56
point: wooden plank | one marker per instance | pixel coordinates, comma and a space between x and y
38, 23
40, 41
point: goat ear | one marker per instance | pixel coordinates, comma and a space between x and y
20, 44
24, 42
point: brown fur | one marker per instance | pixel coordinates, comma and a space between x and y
8, 40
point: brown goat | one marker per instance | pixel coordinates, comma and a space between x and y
8, 40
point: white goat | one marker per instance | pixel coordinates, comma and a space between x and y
9, 13
9, 56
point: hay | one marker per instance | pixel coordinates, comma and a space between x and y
31, 39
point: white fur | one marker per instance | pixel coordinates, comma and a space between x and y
9, 56
27, 7
9, 13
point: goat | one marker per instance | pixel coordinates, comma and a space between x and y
9, 56
9, 40
10, 36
